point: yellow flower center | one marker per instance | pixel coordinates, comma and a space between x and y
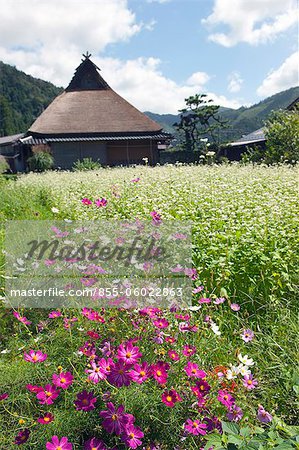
35, 358
85, 401
142, 373
114, 417
128, 355
48, 394
249, 382
46, 419
63, 380
131, 435
159, 373
169, 398
195, 424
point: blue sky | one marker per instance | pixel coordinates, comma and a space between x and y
157, 52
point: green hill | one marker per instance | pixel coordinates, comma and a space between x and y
22, 99
241, 121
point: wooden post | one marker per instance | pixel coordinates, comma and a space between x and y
128, 157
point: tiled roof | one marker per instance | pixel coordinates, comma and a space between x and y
254, 137
6, 140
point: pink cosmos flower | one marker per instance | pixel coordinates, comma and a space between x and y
204, 300
235, 307
22, 319
161, 323
101, 202
247, 335
94, 444
54, 314
173, 355
120, 375
47, 395
234, 414
195, 427
225, 398
189, 350
35, 356
128, 354
191, 273
263, 416
140, 372
34, 389
170, 398
201, 388
159, 371
47, 418
63, 380
59, 444
115, 419
131, 436
95, 373
197, 289
135, 180
219, 301
85, 401
193, 371
22, 437
3, 396
180, 236
157, 219
249, 382
86, 201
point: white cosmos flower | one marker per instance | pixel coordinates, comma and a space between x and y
232, 373
244, 370
194, 308
246, 360
55, 210
215, 329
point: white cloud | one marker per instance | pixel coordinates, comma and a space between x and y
251, 21
142, 83
284, 77
46, 38
198, 79
234, 82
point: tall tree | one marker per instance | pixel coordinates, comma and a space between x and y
199, 121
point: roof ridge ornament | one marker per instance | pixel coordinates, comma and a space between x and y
87, 56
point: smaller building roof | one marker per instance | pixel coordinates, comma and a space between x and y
252, 138
7, 140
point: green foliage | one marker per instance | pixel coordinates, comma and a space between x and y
282, 134
278, 436
4, 166
40, 162
22, 99
86, 164
199, 120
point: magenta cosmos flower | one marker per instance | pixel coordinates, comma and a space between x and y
189, 350
131, 436
115, 419
135, 180
95, 373
235, 414
22, 437
63, 380
170, 398
225, 398
59, 444
47, 418
161, 323
195, 427
249, 382
159, 371
173, 355
247, 335
21, 319
47, 395
157, 219
128, 354
120, 374
263, 416
54, 314
140, 372
86, 201
85, 401
35, 356
192, 370
94, 444
101, 202
3, 396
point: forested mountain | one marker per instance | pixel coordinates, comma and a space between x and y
240, 121
22, 99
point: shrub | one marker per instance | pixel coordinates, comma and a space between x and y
4, 166
40, 162
86, 164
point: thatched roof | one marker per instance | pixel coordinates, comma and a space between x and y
90, 106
